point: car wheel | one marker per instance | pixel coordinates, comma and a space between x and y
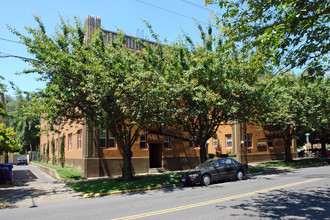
239, 175
206, 180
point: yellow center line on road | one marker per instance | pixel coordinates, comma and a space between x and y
179, 208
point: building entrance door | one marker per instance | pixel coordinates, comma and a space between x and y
155, 155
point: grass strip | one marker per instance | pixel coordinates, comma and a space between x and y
111, 185
67, 173
296, 163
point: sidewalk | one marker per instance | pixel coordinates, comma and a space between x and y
32, 187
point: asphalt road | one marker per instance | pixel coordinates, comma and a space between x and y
299, 194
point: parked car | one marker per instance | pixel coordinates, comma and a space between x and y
215, 169
21, 160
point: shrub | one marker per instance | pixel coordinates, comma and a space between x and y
62, 152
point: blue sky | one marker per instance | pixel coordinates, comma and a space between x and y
167, 17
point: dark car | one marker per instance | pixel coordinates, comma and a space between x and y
214, 170
21, 160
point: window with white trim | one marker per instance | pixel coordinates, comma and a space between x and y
111, 140
167, 142
107, 140
143, 141
103, 139
229, 143
79, 133
248, 140
215, 142
70, 141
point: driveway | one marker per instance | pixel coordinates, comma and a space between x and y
33, 187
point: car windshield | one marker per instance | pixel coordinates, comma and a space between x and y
206, 164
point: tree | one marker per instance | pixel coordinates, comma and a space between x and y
318, 119
214, 86
7, 139
284, 107
3, 112
25, 124
8, 142
103, 83
290, 33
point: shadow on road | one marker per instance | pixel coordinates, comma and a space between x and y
313, 204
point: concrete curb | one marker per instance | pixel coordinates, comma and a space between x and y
89, 195
51, 172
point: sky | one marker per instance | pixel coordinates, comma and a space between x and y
167, 17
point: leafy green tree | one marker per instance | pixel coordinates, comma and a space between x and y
285, 108
100, 82
25, 125
214, 86
62, 151
290, 33
3, 112
318, 119
7, 139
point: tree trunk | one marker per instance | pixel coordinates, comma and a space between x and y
127, 171
323, 148
202, 150
287, 150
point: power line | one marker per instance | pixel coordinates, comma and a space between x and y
198, 6
12, 41
5, 55
191, 3
164, 9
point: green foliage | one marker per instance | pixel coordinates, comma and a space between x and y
43, 154
104, 83
103, 186
67, 173
213, 84
296, 163
62, 152
7, 139
53, 151
38, 153
293, 105
25, 125
288, 33
47, 152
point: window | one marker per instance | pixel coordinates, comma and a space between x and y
248, 140
107, 140
215, 142
143, 141
70, 141
103, 138
79, 139
111, 140
167, 142
270, 140
228, 141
